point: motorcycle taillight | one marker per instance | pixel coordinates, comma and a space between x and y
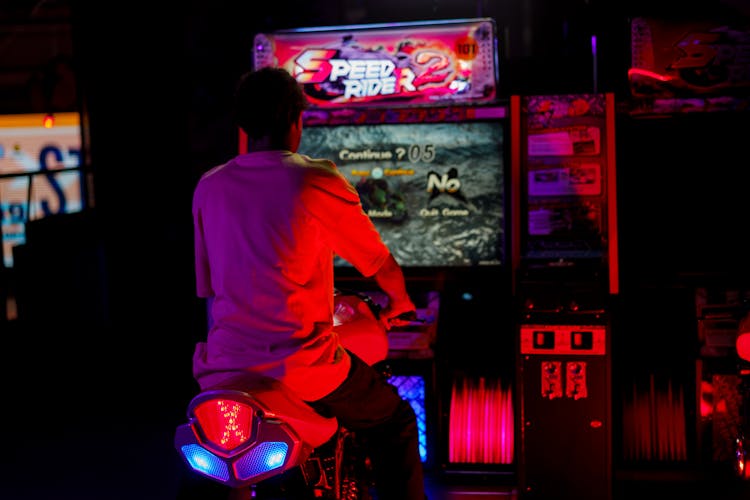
227, 424
231, 438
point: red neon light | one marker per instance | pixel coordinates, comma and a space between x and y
654, 425
481, 428
651, 75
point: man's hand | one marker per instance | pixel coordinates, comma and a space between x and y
398, 313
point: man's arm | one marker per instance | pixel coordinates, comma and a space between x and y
390, 279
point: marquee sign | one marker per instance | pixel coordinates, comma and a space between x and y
426, 63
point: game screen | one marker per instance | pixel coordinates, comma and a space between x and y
435, 191
39, 172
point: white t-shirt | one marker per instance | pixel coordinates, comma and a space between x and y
267, 225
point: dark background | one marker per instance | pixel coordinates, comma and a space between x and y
98, 375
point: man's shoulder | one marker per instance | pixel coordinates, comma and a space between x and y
210, 177
321, 164
213, 171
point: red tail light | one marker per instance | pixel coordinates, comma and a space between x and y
227, 424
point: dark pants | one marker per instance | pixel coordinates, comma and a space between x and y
366, 403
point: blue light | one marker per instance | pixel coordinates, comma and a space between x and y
412, 389
266, 456
205, 462
274, 460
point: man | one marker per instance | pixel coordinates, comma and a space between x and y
267, 225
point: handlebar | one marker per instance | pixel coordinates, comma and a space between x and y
406, 319
403, 319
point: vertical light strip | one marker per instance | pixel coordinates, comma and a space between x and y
594, 65
654, 425
481, 426
613, 241
515, 187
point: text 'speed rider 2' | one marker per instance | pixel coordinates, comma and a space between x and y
452, 62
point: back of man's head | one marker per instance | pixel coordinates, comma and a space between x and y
267, 102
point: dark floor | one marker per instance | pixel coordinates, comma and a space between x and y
82, 422
639, 486
53, 459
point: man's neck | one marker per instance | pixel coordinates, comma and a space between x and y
262, 144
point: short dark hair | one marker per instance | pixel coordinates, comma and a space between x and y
267, 102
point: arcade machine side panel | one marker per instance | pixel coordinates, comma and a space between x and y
565, 256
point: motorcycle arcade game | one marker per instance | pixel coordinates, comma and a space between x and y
410, 115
